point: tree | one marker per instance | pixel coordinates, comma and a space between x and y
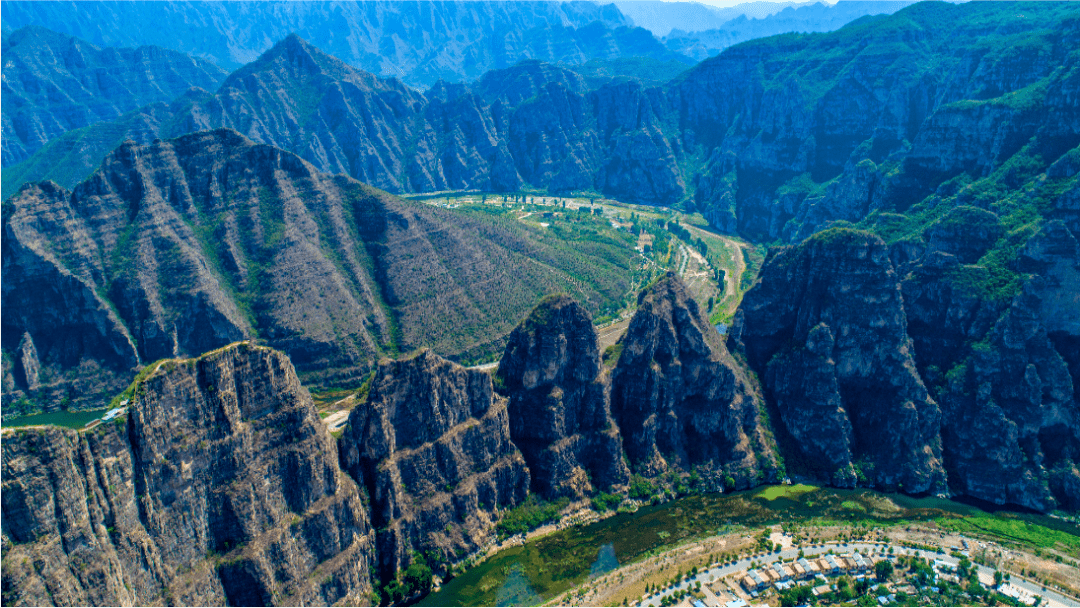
999, 578
795, 596
963, 568
883, 570
862, 585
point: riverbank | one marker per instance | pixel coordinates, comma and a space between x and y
612, 560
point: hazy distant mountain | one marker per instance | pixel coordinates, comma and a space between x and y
661, 17
418, 42
53, 83
529, 124
701, 43
646, 71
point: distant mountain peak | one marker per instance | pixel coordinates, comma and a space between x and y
301, 59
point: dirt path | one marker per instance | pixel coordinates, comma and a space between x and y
733, 251
486, 366
610, 335
336, 420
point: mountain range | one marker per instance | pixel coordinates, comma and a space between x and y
183, 245
254, 502
417, 42
679, 140
221, 485
742, 24
914, 326
53, 84
378, 130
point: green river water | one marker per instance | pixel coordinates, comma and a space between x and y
547, 566
71, 420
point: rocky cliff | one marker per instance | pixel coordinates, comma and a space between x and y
825, 328
184, 245
1009, 388
803, 130
681, 401
560, 413
947, 134
55, 83
432, 446
219, 486
922, 380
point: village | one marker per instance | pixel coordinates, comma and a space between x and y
859, 574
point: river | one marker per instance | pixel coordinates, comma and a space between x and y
547, 566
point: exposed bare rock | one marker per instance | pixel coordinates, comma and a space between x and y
1012, 419
825, 327
54, 83
184, 245
526, 123
27, 364
432, 447
681, 400
220, 486
803, 145
559, 402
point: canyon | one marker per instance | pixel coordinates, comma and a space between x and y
200, 248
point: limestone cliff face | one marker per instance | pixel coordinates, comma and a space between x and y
680, 399
221, 486
1011, 424
432, 448
53, 294
350, 121
845, 348
793, 146
560, 414
825, 327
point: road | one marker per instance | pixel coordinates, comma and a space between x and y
336, 420
1050, 597
610, 335
734, 273
484, 367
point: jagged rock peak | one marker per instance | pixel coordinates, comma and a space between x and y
432, 446
680, 398
222, 486
559, 401
305, 59
555, 344
826, 329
